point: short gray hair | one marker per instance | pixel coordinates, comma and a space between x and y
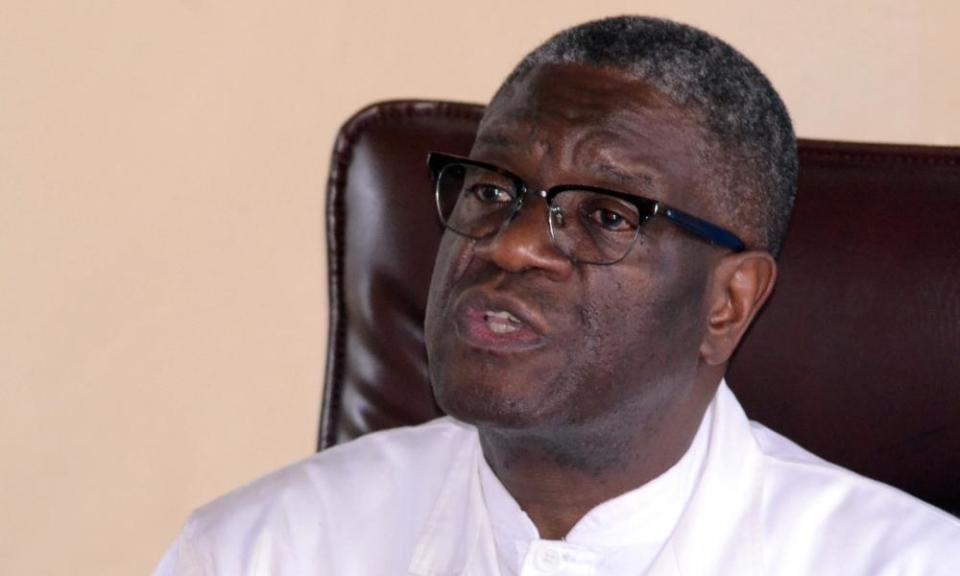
756, 162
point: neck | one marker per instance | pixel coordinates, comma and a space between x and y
558, 476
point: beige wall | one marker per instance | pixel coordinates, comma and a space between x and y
162, 165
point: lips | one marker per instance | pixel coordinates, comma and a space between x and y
498, 324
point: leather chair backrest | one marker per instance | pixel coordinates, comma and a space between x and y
856, 357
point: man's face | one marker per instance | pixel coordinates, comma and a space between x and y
518, 336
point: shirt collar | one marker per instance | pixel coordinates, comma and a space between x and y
721, 511
629, 529
720, 530
453, 529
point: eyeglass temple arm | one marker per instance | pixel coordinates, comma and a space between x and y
713, 234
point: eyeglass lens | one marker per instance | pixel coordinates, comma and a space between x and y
587, 226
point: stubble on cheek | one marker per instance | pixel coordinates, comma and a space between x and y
636, 343
606, 360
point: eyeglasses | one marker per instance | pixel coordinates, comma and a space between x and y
589, 225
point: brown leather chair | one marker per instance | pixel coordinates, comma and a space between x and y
857, 356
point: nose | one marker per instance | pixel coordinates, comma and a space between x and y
523, 243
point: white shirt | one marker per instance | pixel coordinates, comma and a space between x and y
422, 501
621, 536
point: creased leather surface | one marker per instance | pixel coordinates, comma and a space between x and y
857, 356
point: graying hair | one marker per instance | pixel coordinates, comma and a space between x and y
755, 160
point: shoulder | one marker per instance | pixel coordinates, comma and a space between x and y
823, 516
381, 461
356, 490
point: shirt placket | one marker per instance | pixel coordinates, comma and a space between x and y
552, 558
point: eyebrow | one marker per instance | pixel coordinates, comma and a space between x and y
637, 182
644, 181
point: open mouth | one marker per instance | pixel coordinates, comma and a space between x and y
495, 329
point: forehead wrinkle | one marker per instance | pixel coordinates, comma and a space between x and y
519, 133
595, 145
588, 146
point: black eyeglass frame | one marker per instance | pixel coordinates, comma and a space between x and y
646, 207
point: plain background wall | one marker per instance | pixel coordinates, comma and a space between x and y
162, 258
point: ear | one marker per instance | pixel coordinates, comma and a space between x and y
739, 286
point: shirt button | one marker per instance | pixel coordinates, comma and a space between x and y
548, 560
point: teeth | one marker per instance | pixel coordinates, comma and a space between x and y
502, 315
502, 328
501, 321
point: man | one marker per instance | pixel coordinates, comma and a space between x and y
610, 238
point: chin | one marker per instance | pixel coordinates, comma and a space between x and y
479, 403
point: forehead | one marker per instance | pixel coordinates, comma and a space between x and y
583, 92
565, 124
